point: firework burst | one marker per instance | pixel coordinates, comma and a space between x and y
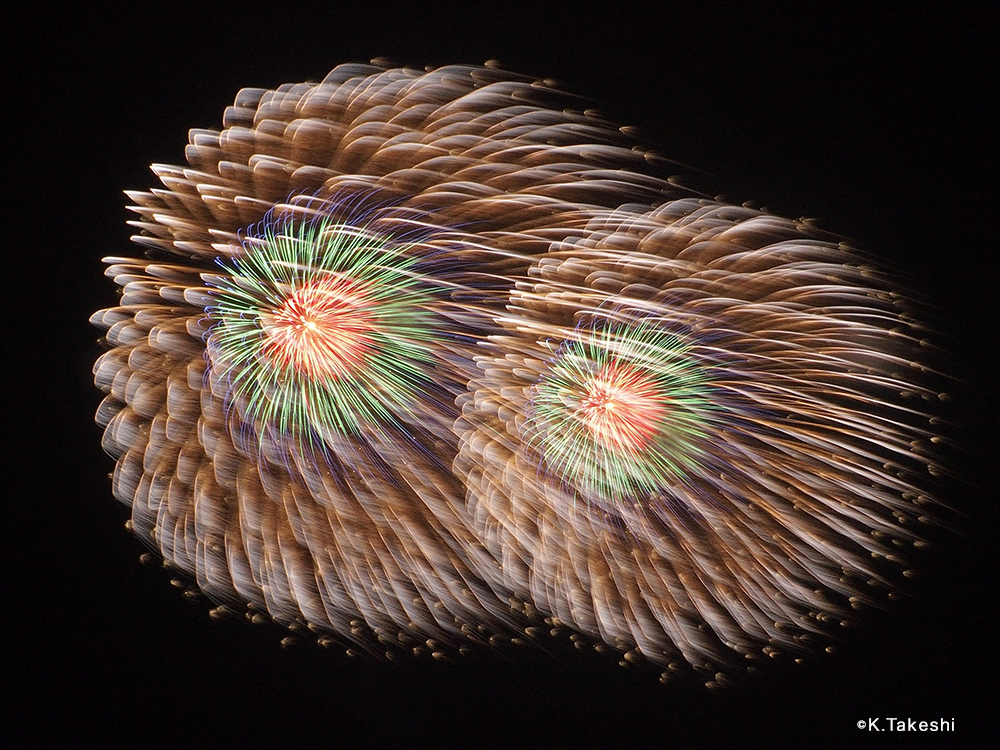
320, 328
618, 410
419, 357
765, 454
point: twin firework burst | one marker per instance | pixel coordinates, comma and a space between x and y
429, 357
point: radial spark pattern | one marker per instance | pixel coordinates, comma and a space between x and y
320, 327
418, 358
618, 410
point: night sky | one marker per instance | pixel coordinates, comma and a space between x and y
873, 122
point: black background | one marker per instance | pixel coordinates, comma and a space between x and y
873, 121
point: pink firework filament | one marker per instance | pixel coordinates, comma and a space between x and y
323, 330
623, 408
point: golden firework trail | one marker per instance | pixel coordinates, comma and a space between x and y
432, 357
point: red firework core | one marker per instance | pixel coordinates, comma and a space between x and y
323, 329
622, 407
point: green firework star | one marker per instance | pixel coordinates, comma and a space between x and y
621, 411
323, 328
